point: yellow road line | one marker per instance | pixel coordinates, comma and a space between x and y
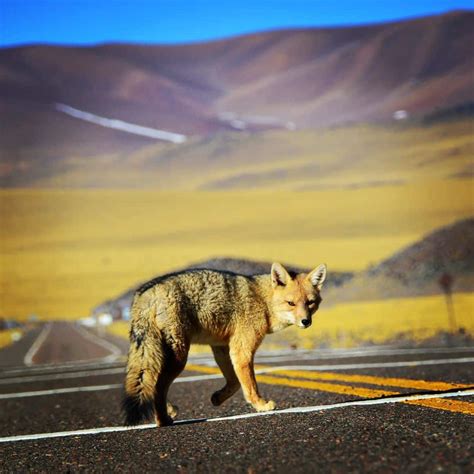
203, 368
445, 404
455, 406
324, 386
368, 379
440, 404
352, 378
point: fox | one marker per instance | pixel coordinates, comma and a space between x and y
230, 312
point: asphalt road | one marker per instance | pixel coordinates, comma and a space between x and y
367, 410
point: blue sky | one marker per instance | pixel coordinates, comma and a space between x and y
177, 21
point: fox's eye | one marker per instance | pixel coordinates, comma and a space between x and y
291, 303
310, 303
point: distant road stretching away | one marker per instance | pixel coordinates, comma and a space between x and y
121, 125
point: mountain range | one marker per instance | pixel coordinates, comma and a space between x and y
59, 102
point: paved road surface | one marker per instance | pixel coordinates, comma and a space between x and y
377, 410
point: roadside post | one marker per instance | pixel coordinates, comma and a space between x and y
446, 283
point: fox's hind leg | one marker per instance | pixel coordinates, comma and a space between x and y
175, 356
221, 354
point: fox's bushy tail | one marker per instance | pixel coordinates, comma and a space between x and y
145, 360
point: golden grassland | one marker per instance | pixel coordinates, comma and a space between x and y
64, 251
374, 322
369, 190
9, 336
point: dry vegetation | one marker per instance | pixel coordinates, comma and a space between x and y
62, 252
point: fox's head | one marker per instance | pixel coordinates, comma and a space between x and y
296, 297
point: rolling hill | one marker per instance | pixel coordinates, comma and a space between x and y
287, 80
416, 269
413, 271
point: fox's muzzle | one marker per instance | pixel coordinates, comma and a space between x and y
305, 323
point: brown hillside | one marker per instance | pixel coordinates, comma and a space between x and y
292, 78
362, 73
415, 270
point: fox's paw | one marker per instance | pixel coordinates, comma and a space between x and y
163, 421
216, 399
172, 410
265, 406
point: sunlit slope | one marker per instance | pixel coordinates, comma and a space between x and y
352, 156
62, 252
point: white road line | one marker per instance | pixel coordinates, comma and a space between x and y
58, 391
112, 348
315, 355
346, 354
296, 410
70, 367
120, 370
64, 434
197, 378
373, 365
90, 388
82, 364
352, 403
368, 365
93, 388
186, 379
73, 375
28, 360
262, 357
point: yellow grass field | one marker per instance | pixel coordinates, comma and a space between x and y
64, 251
377, 322
9, 336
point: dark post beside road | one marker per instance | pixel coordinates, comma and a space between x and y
446, 282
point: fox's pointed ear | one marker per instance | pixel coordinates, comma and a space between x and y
279, 275
317, 276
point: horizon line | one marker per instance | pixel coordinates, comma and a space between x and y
242, 34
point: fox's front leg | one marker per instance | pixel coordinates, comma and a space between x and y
242, 360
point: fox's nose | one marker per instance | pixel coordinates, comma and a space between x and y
305, 322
